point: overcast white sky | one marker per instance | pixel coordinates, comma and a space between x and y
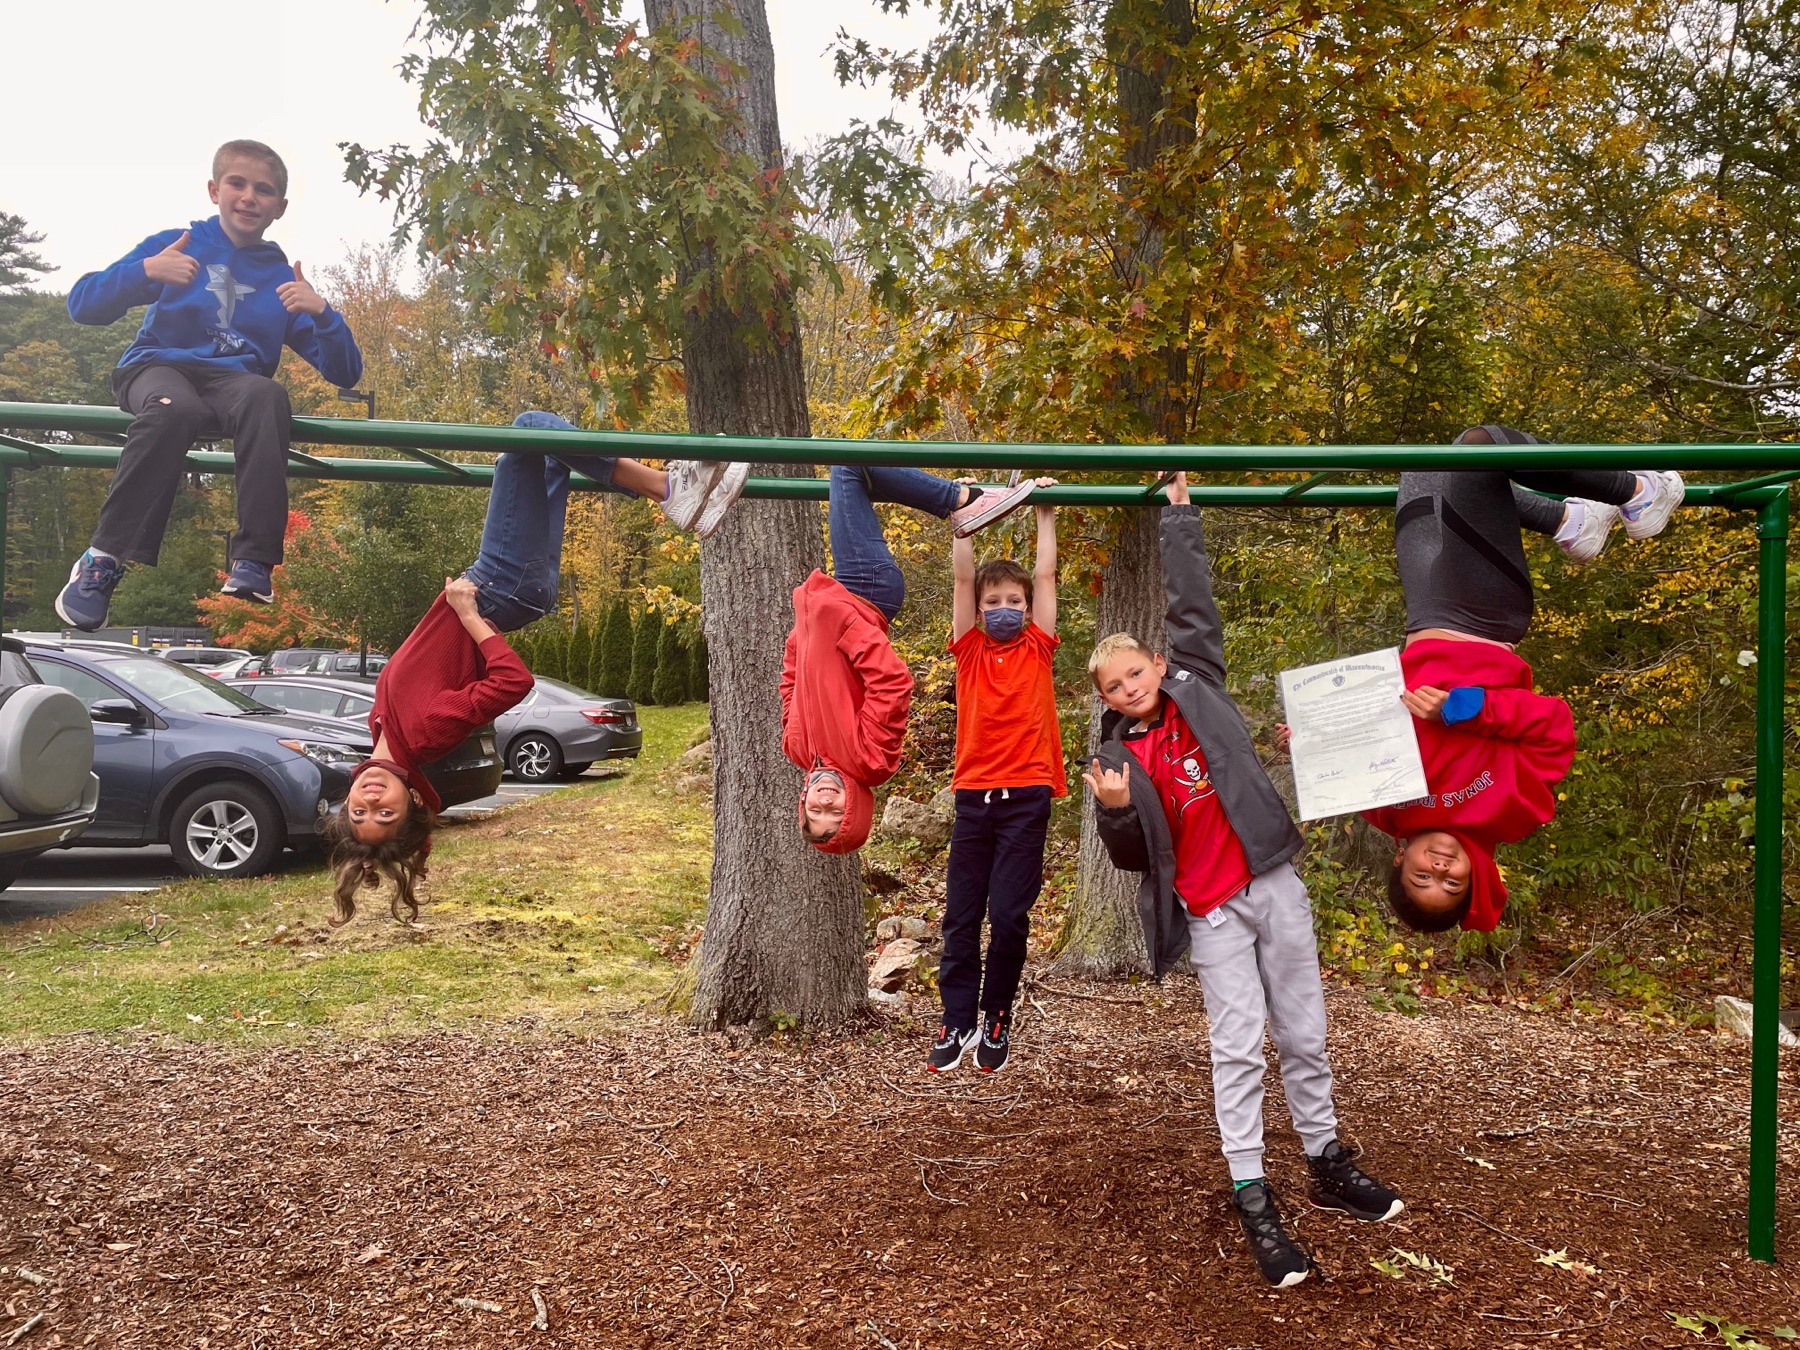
114, 108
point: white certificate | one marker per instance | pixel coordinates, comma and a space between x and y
1353, 743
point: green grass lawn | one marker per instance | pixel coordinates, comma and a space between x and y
552, 913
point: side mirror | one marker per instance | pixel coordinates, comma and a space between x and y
119, 710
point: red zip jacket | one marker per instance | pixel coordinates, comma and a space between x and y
438, 688
1491, 779
844, 698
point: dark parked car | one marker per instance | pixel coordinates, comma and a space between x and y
186, 761
48, 790
559, 730
470, 771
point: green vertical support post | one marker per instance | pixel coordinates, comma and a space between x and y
1771, 732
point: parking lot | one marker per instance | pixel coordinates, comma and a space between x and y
67, 879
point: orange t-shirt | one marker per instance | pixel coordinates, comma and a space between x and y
1007, 734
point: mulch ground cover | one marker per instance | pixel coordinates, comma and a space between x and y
1568, 1183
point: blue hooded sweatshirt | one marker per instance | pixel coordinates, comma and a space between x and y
227, 318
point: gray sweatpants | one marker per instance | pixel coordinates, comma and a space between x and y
1258, 964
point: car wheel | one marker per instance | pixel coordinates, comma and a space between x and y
535, 759
11, 869
570, 771
225, 830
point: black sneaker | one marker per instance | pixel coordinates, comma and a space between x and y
1338, 1183
1282, 1263
951, 1045
990, 1055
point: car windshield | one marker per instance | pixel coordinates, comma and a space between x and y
174, 685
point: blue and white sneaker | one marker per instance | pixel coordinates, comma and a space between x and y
84, 601
251, 581
1649, 511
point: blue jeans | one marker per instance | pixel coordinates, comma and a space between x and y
521, 544
860, 558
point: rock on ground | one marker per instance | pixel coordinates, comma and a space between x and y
903, 818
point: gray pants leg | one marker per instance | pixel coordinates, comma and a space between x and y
1259, 966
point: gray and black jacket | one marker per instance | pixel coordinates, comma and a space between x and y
1137, 836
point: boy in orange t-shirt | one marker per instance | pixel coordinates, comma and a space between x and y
1009, 764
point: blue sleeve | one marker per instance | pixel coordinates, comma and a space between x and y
327, 345
106, 297
1464, 704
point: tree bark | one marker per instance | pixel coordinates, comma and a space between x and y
784, 924
1103, 937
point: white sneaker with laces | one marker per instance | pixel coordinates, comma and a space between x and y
1586, 541
689, 482
1666, 493
720, 498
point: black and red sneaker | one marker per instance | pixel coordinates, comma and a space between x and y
990, 1055
948, 1049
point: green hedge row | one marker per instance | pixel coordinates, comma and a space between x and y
644, 659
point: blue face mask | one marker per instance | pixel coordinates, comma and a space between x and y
1003, 625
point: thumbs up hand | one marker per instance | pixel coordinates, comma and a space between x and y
298, 296
171, 267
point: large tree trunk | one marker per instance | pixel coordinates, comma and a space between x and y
1103, 937
784, 922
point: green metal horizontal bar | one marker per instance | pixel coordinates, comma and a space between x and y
1301, 488
1752, 484
443, 437
35, 455
426, 457
14, 453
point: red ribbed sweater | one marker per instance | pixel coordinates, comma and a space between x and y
438, 688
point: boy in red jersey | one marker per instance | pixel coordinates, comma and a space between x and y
1182, 797
1494, 750
1009, 765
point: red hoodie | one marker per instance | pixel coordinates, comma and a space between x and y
438, 688
844, 698
1491, 777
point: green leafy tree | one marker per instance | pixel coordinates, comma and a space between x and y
614, 675
641, 687
388, 559
17, 261
671, 685
699, 676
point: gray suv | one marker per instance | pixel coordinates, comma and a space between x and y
225, 782
48, 790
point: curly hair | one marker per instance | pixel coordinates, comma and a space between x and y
359, 865
1414, 915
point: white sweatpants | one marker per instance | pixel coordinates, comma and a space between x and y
1258, 964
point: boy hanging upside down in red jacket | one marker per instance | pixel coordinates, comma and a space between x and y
1493, 749
845, 694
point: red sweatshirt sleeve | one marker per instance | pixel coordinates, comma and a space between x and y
789, 666
1540, 721
887, 699
506, 682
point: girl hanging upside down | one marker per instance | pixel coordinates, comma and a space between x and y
455, 672
1493, 749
